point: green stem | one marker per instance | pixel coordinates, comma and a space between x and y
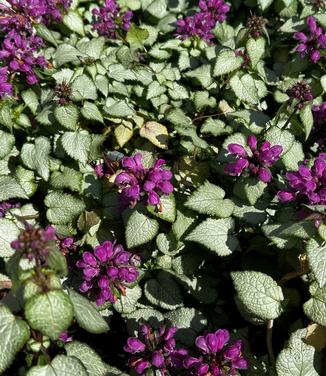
269, 342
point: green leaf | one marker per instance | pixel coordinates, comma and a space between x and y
259, 293
118, 108
45, 33
140, 229
202, 74
57, 261
10, 188
226, 62
315, 307
136, 36
67, 115
208, 199
281, 137
216, 235
255, 49
163, 291
157, 8
127, 302
307, 119
26, 179
61, 365
92, 48
189, 321
264, 4
292, 158
14, 334
89, 358
50, 313
74, 22
83, 88
68, 178
62, 207
123, 132
298, 358
77, 145
316, 253
87, 315
155, 89
156, 133
31, 100
185, 219
36, 156
7, 142
91, 112
245, 88
66, 54
167, 210
249, 189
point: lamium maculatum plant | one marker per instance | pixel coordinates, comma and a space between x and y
162, 187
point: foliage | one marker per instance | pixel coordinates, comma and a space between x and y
162, 163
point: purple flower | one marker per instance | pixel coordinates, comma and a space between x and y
109, 19
34, 242
300, 93
5, 86
155, 349
311, 43
7, 205
216, 356
257, 162
139, 183
307, 185
18, 52
202, 23
65, 337
318, 133
255, 25
108, 269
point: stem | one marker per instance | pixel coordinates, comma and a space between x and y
269, 342
293, 113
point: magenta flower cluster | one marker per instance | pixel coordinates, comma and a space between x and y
216, 356
307, 185
154, 350
201, 23
139, 183
20, 46
5, 206
34, 242
257, 163
312, 42
108, 269
5, 85
300, 93
109, 19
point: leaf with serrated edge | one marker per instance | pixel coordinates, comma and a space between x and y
298, 358
140, 229
316, 253
77, 145
62, 207
87, 315
167, 210
8, 233
216, 235
14, 334
208, 199
90, 359
127, 301
156, 133
259, 293
315, 307
61, 365
50, 313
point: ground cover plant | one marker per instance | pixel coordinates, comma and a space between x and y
162, 187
